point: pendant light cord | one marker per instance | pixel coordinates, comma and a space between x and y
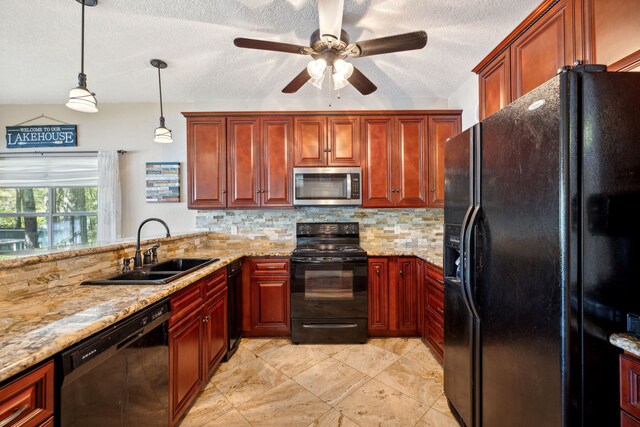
82, 42
160, 87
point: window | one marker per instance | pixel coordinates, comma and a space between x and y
47, 202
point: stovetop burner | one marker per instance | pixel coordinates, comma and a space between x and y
328, 240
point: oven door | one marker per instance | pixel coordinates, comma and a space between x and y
328, 289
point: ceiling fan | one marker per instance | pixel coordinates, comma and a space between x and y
330, 46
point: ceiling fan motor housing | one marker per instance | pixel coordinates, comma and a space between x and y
328, 47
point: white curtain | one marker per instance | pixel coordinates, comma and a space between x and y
109, 199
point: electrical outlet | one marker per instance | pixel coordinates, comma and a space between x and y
633, 323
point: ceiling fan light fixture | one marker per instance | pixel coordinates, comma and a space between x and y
343, 68
316, 68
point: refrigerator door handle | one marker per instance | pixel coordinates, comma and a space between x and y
463, 256
466, 267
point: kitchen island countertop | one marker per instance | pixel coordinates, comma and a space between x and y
626, 341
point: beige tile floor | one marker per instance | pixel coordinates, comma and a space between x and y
271, 382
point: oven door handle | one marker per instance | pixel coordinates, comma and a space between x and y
329, 325
326, 260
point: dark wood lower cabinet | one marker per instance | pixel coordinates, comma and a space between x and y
433, 332
629, 391
393, 297
185, 362
29, 399
197, 339
267, 282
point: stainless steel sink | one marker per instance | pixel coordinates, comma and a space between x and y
155, 274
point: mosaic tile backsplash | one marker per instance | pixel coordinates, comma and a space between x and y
411, 228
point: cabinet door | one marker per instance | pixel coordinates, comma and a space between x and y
407, 295
277, 162
206, 163
215, 332
545, 47
344, 141
440, 129
270, 306
411, 162
244, 163
495, 85
378, 295
29, 400
377, 172
185, 363
310, 141
616, 34
421, 295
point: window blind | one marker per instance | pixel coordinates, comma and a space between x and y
58, 171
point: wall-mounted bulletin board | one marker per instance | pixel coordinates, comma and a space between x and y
163, 182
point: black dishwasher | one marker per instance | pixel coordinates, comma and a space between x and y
120, 376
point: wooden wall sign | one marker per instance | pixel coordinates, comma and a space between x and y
42, 136
163, 182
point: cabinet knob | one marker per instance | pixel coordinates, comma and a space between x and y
378, 271
401, 273
329, 149
433, 190
224, 191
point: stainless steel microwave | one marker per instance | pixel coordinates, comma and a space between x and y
327, 186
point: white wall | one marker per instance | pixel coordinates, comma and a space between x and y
130, 127
466, 98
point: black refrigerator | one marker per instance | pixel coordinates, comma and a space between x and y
542, 253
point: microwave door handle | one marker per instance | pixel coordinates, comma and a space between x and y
348, 186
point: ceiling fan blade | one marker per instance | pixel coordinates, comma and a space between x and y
297, 82
397, 43
361, 82
273, 46
330, 17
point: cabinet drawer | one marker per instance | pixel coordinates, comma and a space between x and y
630, 385
270, 267
433, 283
184, 302
434, 272
435, 320
435, 300
28, 401
214, 283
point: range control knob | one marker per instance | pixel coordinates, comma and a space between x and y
304, 229
350, 229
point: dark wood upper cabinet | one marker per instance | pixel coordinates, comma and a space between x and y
327, 141
206, 162
551, 37
277, 162
615, 33
259, 158
343, 143
310, 141
410, 162
441, 128
495, 85
545, 47
243, 159
377, 180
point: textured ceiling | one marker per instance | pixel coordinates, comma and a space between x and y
40, 42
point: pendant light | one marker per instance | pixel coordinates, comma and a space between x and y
162, 134
81, 98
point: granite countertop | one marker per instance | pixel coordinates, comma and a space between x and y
39, 325
626, 341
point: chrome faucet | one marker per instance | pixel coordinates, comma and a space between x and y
137, 262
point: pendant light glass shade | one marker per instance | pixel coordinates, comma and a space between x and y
342, 70
81, 98
316, 68
162, 135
